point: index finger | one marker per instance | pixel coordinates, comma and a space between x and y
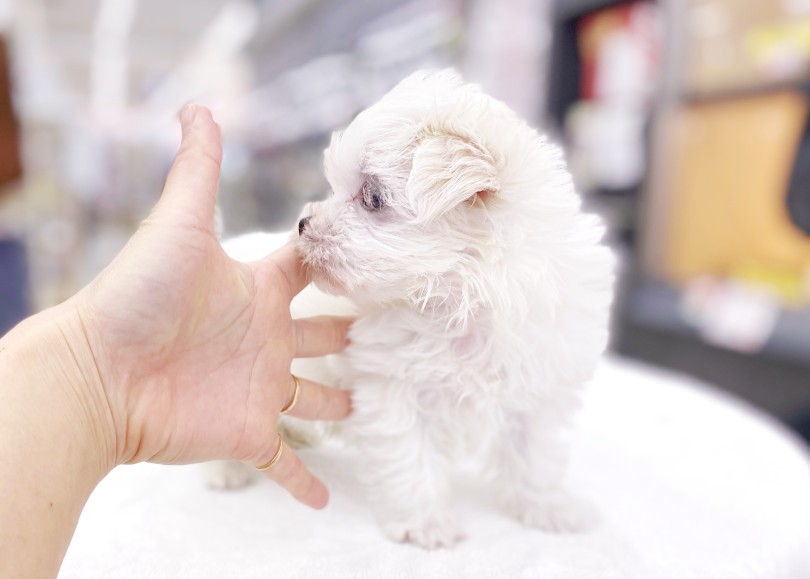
288, 263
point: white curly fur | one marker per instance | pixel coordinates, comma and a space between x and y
483, 294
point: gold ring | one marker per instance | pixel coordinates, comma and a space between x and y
290, 406
275, 458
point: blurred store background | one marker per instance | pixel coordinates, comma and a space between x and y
685, 122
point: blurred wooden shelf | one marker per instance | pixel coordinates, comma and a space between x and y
696, 97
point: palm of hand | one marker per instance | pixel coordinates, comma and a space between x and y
194, 337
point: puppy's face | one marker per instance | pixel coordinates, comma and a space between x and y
410, 183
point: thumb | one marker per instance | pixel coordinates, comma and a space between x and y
191, 187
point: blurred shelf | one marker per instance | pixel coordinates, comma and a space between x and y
564, 91
657, 305
567, 9
696, 97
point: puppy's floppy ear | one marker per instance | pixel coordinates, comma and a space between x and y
447, 170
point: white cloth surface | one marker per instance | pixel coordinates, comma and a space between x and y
690, 484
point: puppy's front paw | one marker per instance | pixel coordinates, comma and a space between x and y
223, 474
431, 532
559, 513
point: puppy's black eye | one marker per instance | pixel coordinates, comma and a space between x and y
372, 198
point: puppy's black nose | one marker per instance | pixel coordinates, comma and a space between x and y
302, 225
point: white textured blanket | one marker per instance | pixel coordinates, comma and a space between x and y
690, 483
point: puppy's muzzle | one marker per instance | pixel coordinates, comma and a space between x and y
302, 225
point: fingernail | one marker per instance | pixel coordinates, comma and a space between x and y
321, 500
187, 116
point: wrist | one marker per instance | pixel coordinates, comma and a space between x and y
52, 360
58, 439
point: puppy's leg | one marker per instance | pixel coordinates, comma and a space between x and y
228, 474
529, 462
404, 475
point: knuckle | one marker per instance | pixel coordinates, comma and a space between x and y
341, 330
322, 401
307, 485
335, 335
291, 473
284, 475
300, 336
344, 403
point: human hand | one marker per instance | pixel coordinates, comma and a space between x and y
191, 349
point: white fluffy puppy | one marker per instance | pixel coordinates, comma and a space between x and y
483, 295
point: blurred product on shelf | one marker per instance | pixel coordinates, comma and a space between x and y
732, 45
10, 164
798, 197
731, 314
13, 270
619, 50
13, 284
717, 198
